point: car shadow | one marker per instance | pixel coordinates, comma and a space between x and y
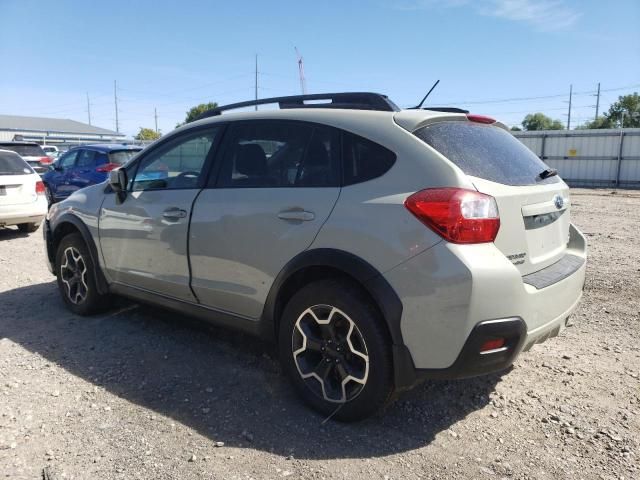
9, 233
220, 383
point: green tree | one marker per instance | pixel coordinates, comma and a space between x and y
630, 105
539, 121
195, 112
147, 134
516, 128
600, 122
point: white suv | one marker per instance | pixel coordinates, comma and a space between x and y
376, 246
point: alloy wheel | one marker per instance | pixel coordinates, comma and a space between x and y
73, 273
330, 353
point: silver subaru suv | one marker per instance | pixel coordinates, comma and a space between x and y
375, 246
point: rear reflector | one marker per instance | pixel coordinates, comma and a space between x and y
480, 118
107, 167
458, 215
494, 344
40, 188
45, 161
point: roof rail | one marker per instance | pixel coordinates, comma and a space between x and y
344, 100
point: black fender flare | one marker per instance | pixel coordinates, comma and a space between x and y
370, 279
101, 281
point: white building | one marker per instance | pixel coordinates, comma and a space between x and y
54, 131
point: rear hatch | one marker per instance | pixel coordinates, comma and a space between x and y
17, 180
534, 209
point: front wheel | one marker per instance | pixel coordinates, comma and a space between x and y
334, 347
76, 278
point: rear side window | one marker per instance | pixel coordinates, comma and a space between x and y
24, 150
86, 158
280, 154
364, 160
486, 152
12, 164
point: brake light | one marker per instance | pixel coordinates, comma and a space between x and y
39, 188
45, 161
458, 215
472, 117
107, 167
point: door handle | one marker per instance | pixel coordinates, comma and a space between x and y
298, 215
174, 213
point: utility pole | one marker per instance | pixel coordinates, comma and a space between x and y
115, 100
155, 116
598, 101
569, 114
256, 83
303, 81
88, 108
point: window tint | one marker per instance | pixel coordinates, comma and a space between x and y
68, 159
85, 158
280, 154
177, 165
364, 160
12, 164
485, 151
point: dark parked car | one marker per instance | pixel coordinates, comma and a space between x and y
82, 166
32, 153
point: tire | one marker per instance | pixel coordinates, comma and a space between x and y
49, 196
78, 290
28, 227
352, 344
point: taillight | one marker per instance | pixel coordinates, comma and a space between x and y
45, 161
40, 188
107, 167
456, 214
472, 117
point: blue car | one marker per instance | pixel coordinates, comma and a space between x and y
82, 166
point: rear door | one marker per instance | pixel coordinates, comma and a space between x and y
81, 174
534, 210
144, 238
276, 184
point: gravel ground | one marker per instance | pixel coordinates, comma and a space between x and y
140, 393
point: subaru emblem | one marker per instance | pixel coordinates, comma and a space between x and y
558, 201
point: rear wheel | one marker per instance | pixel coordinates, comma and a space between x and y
76, 277
28, 227
334, 348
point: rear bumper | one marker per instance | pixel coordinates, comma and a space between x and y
24, 213
452, 294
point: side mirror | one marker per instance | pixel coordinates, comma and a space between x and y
118, 182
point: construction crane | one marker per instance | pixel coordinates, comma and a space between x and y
303, 82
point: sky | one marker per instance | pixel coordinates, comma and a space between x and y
503, 58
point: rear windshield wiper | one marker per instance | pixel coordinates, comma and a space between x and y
549, 172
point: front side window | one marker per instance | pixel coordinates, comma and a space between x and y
280, 154
68, 160
178, 165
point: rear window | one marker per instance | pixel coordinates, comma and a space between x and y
122, 156
24, 150
11, 164
486, 152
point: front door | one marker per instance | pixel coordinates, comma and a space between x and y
144, 238
277, 184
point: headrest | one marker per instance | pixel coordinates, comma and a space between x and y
251, 160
